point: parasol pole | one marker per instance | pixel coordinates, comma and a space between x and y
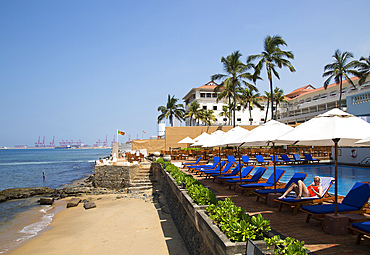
336, 140
273, 154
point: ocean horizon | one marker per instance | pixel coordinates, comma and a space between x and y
22, 219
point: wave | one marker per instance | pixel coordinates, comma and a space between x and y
45, 162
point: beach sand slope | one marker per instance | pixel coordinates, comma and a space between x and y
115, 226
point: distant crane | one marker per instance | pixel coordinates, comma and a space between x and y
105, 143
37, 143
52, 144
114, 140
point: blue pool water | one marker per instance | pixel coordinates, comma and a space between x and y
347, 175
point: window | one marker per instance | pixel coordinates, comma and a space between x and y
215, 107
204, 107
225, 119
202, 94
209, 95
214, 95
238, 119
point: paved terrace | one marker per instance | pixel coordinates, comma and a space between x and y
287, 224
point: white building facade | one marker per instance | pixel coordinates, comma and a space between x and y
207, 99
307, 102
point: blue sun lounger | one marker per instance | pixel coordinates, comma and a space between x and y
192, 163
226, 171
353, 202
277, 160
287, 160
326, 183
216, 170
244, 173
260, 160
310, 158
247, 160
249, 187
216, 161
362, 228
263, 193
298, 159
235, 171
254, 178
231, 158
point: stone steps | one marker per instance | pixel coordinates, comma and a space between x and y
142, 181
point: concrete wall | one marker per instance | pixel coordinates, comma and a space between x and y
344, 155
114, 176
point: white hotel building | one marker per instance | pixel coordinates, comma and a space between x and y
303, 103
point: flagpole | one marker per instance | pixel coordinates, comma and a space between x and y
117, 136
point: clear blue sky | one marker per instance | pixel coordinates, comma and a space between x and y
83, 69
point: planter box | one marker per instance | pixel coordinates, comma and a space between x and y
200, 234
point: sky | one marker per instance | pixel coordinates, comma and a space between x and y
83, 69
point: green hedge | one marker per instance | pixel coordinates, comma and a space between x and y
233, 220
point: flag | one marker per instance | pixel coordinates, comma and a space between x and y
144, 132
121, 132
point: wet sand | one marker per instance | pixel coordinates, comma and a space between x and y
115, 226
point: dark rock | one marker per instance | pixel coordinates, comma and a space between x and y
16, 193
89, 205
46, 201
73, 202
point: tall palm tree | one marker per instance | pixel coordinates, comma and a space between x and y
272, 57
339, 69
251, 99
267, 96
171, 110
193, 111
364, 69
278, 98
225, 112
225, 92
236, 74
208, 117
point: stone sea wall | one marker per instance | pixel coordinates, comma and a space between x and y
114, 176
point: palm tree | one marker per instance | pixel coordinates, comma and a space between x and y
364, 69
236, 73
193, 111
267, 96
272, 57
251, 99
340, 69
208, 117
225, 112
225, 92
279, 98
172, 109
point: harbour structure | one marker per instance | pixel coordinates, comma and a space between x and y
307, 102
207, 99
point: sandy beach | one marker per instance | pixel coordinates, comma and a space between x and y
117, 225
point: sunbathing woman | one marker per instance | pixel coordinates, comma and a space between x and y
302, 191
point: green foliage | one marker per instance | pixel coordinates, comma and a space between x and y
289, 246
235, 223
201, 195
159, 160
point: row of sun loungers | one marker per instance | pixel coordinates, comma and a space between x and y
239, 175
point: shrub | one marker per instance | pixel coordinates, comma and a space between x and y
288, 246
201, 195
235, 223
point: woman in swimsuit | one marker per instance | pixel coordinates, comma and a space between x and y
302, 191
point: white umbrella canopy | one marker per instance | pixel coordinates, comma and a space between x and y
209, 139
229, 137
265, 133
333, 128
200, 138
363, 142
321, 130
186, 140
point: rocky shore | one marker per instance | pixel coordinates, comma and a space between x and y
78, 189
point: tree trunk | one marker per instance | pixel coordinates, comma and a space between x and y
267, 110
234, 104
272, 99
340, 94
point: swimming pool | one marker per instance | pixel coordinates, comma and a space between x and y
347, 175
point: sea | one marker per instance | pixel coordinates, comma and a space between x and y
23, 219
